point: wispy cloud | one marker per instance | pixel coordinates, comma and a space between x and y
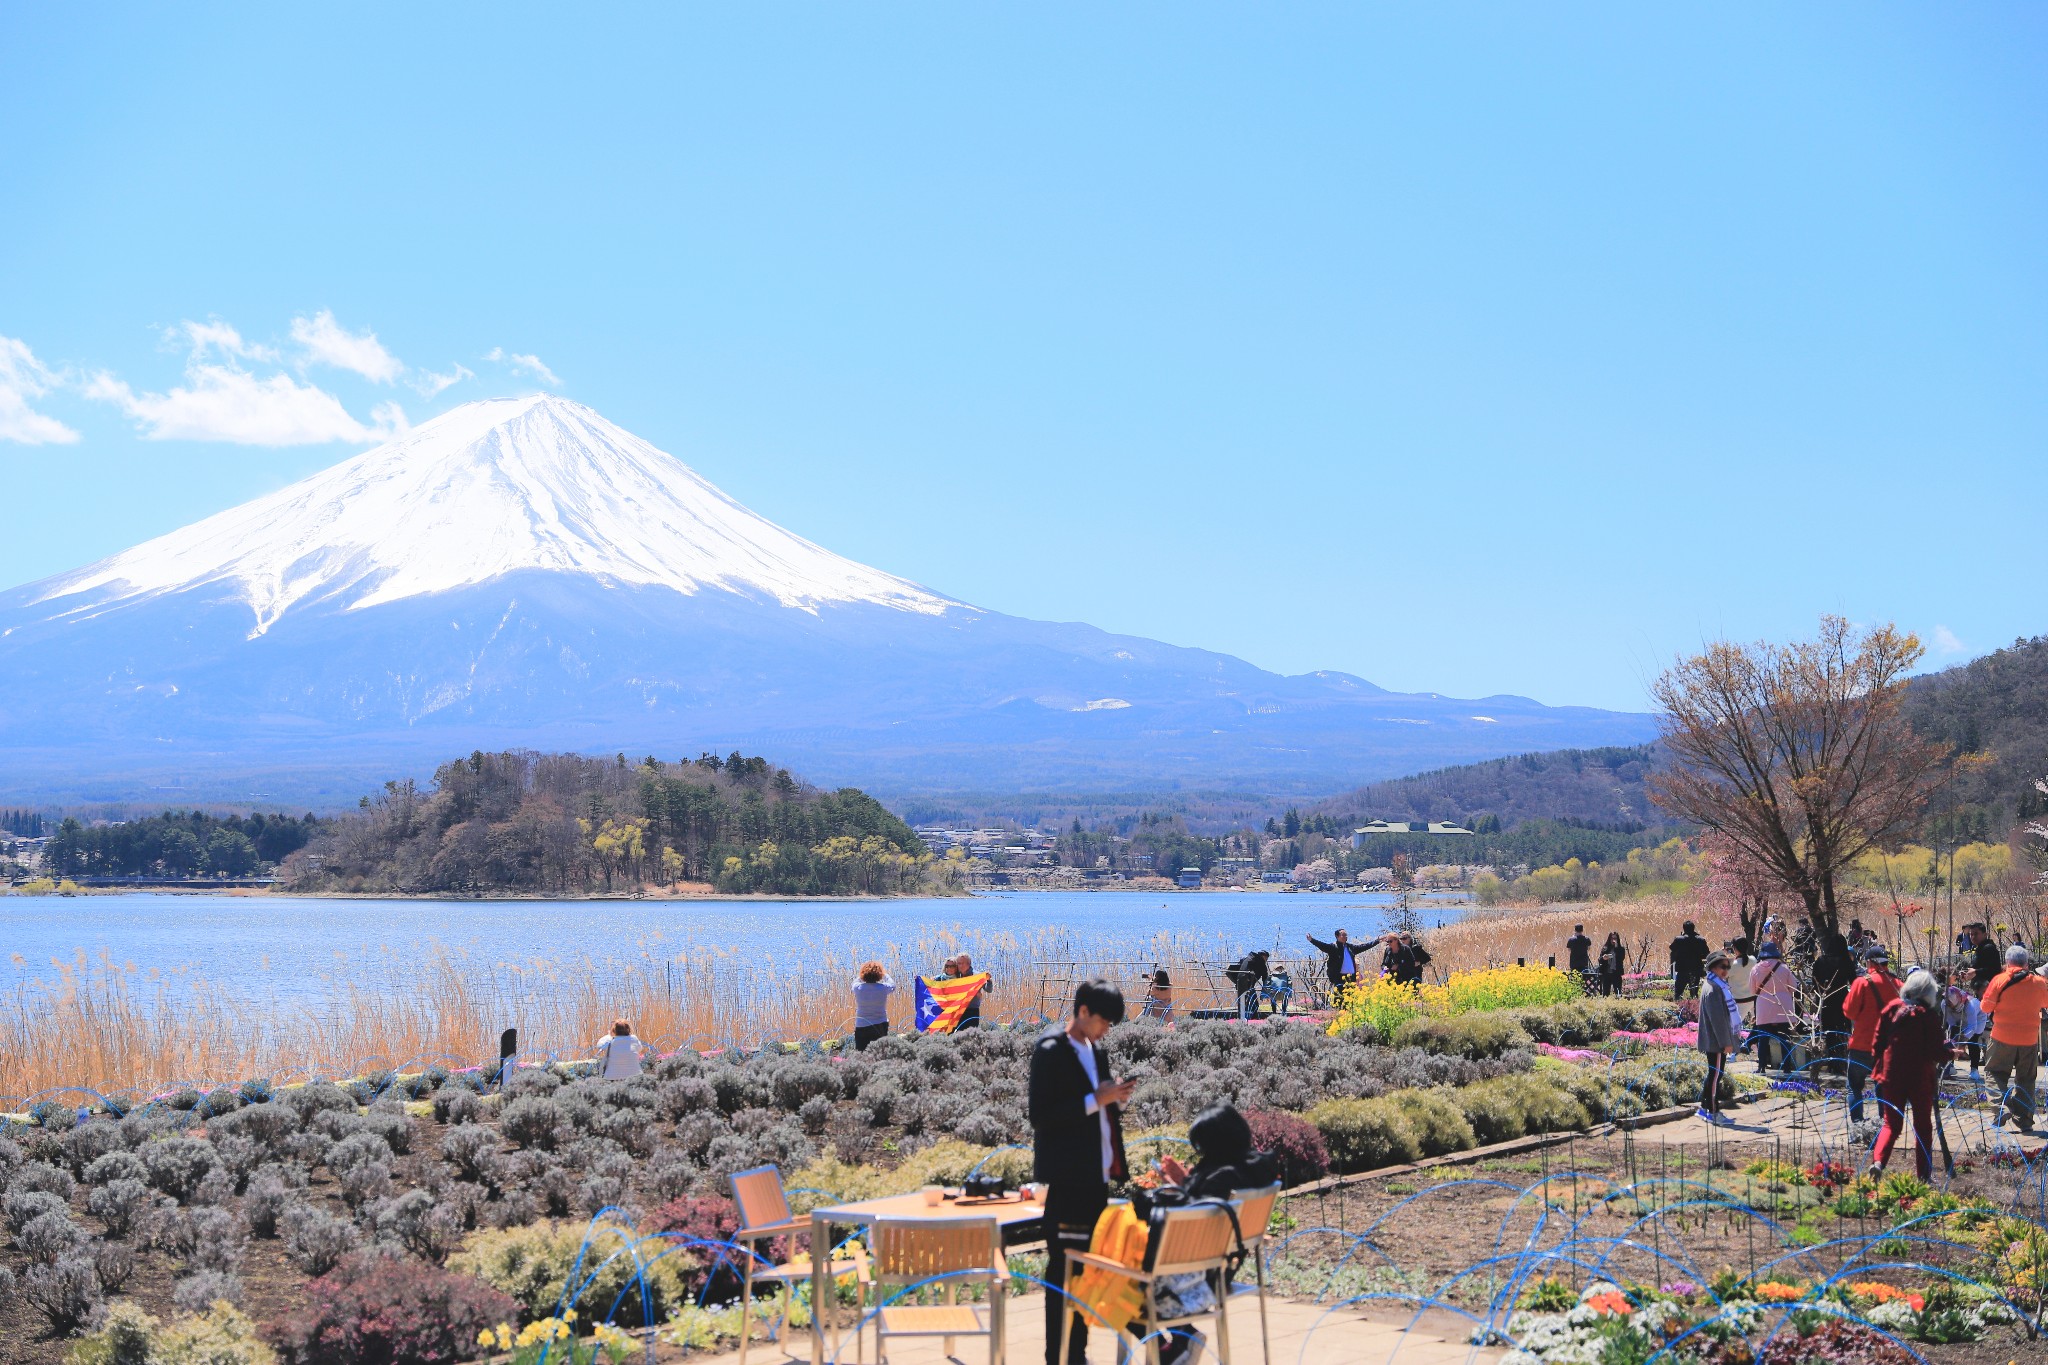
327, 342
529, 364
23, 377
430, 385
204, 338
1945, 642
227, 403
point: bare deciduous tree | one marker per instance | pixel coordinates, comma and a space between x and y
1798, 755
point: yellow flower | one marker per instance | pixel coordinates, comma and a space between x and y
483, 1338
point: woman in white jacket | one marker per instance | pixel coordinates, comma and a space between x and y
620, 1052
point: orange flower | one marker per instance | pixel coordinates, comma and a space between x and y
1610, 1304
1777, 1292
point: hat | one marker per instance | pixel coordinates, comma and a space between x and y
1877, 952
1719, 958
1770, 950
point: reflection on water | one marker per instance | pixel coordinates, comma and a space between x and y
308, 950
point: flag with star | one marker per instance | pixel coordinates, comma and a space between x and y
941, 1000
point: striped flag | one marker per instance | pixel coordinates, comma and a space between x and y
941, 1000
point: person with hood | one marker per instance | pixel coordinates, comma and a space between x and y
1225, 1165
2014, 1001
1720, 1029
1834, 971
1910, 1048
1688, 963
1613, 963
1872, 991
1777, 1003
1964, 1019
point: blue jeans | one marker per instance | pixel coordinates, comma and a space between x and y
1859, 1071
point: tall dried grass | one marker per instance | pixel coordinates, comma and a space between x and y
100, 1025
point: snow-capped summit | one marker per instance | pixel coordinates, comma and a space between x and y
488, 489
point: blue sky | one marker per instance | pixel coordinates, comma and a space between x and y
1470, 349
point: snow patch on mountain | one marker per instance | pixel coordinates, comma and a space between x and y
487, 489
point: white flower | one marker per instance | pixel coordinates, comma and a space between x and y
1893, 1315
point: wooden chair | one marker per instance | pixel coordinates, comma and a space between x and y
1193, 1240
962, 1250
1254, 1221
764, 1214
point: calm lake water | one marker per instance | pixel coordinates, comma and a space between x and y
306, 949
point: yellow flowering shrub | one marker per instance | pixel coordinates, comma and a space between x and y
1386, 1006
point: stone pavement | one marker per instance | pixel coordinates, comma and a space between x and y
1303, 1334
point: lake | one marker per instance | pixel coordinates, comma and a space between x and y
306, 950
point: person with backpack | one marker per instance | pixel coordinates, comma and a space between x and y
1776, 993
1910, 1046
1688, 962
1872, 991
2014, 1000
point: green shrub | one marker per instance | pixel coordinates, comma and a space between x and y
1508, 1107
1436, 1119
1477, 1036
532, 1265
1363, 1135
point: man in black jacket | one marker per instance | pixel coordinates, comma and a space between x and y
1344, 959
1688, 963
1579, 949
1077, 1143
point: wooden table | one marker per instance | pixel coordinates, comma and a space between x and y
1017, 1219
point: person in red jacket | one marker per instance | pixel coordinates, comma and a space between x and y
1873, 990
1911, 1047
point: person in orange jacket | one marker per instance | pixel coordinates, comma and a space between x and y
2014, 1000
1873, 990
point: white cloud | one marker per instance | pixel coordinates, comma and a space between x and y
23, 377
430, 385
222, 403
531, 364
1945, 642
327, 342
215, 335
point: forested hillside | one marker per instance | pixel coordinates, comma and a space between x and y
1996, 706
1598, 787
564, 823
176, 843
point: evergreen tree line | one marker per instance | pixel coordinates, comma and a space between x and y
177, 844
26, 824
521, 821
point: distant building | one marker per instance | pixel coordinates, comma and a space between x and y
1191, 876
1372, 827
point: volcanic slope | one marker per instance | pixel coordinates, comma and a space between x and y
521, 572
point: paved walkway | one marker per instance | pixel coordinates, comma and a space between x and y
1303, 1334
1810, 1118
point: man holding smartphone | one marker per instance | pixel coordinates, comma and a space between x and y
1076, 1112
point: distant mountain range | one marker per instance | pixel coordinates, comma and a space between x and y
520, 572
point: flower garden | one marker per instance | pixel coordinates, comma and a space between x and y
422, 1213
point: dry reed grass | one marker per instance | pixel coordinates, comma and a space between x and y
99, 1025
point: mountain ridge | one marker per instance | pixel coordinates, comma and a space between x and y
521, 573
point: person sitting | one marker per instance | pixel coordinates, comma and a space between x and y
1342, 957
1910, 1047
871, 992
1225, 1165
1613, 963
1279, 989
620, 1052
1159, 997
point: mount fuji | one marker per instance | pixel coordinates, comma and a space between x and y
523, 573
